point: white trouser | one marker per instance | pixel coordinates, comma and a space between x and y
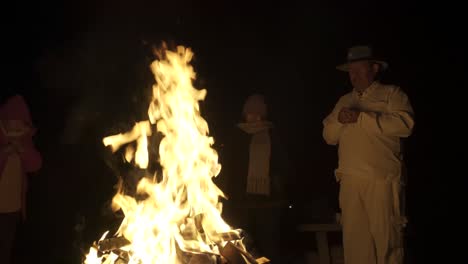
371, 233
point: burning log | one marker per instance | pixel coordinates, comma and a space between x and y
230, 253
112, 243
232, 235
234, 255
203, 259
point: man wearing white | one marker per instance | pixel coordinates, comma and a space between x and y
368, 125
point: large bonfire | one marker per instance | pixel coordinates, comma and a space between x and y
181, 215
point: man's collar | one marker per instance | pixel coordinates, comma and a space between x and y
367, 90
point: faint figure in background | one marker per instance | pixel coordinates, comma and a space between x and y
257, 170
18, 156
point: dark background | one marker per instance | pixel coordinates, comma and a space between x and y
83, 68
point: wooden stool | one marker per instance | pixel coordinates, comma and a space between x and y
321, 231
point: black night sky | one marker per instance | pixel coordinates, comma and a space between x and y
83, 68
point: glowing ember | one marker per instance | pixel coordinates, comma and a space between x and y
182, 212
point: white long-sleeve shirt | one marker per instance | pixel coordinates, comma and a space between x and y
371, 147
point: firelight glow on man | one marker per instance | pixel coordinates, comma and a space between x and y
368, 125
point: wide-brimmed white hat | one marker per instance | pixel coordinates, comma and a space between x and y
360, 53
